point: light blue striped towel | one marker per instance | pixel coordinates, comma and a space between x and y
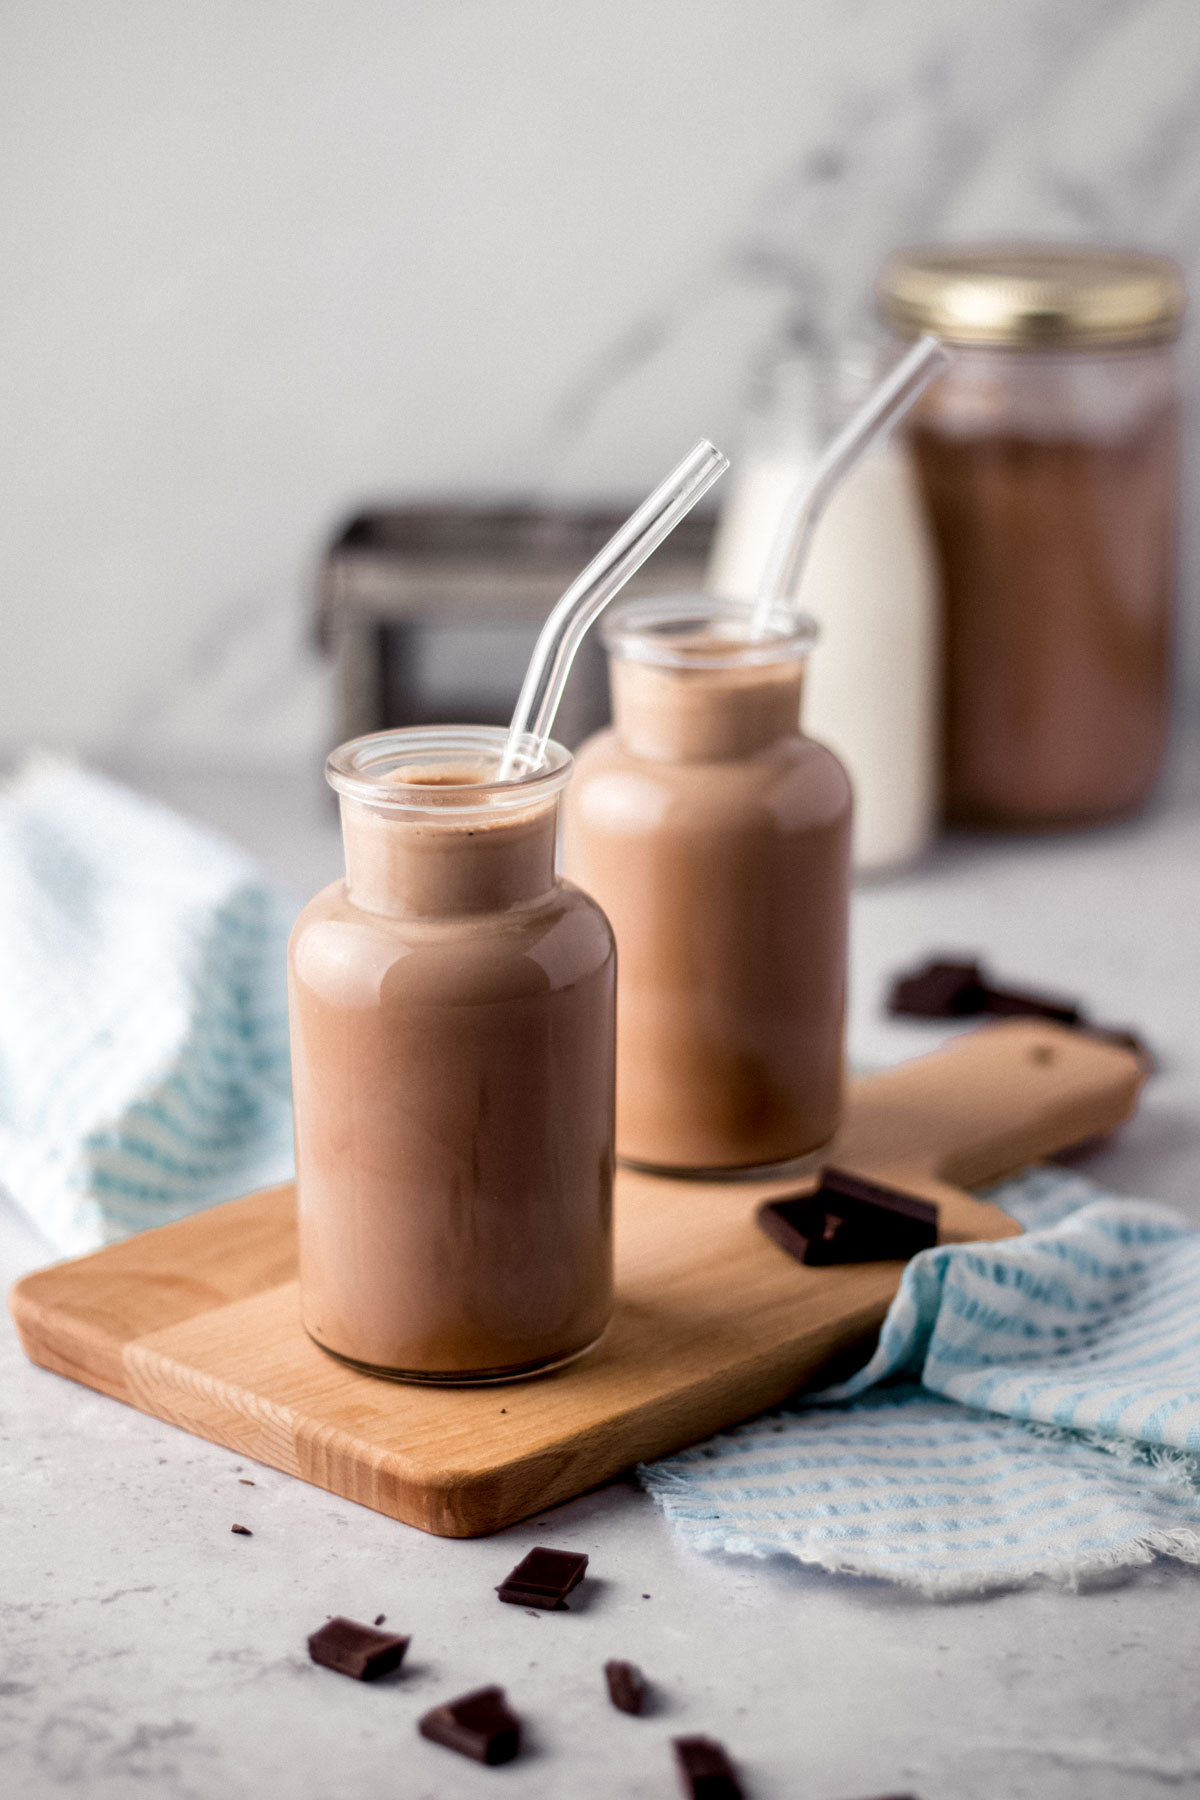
1042, 1417
143, 1020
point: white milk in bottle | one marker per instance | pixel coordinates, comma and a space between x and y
870, 582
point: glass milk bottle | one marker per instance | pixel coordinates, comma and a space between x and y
717, 838
451, 1009
870, 583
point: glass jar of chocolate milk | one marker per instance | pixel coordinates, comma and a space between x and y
717, 838
1049, 459
453, 1045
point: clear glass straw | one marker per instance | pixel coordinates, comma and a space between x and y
892, 398
590, 593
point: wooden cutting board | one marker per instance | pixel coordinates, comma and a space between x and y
199, 1324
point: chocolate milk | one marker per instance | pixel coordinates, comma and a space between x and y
452, 1029
717, 839
1058, 562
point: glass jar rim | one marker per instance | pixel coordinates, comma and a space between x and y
365, 769
658, 630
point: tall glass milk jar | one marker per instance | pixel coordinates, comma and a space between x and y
453, 1041
1049, 458
717, 838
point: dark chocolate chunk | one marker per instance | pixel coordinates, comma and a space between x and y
850, 1220
543, 1578
1124, 1039
705, 1772
626, 1686
1009, 1003
940, 990
242, 1530
357, 1650
479, 1725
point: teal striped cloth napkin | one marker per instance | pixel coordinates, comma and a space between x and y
143, 1020
1032, 1409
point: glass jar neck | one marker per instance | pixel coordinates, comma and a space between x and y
712, 714
409, 865
431, 830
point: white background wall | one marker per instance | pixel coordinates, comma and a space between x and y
265, 259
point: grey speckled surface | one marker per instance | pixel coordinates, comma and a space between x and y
146, 1650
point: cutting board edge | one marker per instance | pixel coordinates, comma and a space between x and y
457, 1503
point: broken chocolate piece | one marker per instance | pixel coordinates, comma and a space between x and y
242, 1530
626, 1686
478, 1725
940, 990
850, 1220
705, 1772
955, 990
543, 1578
1009, 1003
357, 1650
1124, 1039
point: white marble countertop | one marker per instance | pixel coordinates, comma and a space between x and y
147, 1650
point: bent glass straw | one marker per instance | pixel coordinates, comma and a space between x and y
882, 407
590, 593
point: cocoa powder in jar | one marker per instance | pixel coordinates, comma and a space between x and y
1058, 560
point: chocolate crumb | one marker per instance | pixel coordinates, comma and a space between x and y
245, 1481
645, 1596
379, 1618
242, 1530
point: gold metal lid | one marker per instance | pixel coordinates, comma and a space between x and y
1032, 295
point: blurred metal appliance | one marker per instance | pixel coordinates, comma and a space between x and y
431, 611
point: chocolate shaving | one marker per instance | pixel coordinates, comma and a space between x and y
478, 1725
357, 1650
705, 1771
626, 1686
849, 1220
242, 1530
543, 1578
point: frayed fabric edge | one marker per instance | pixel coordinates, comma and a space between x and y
1069, 1572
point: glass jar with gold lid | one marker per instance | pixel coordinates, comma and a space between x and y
1049, 461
